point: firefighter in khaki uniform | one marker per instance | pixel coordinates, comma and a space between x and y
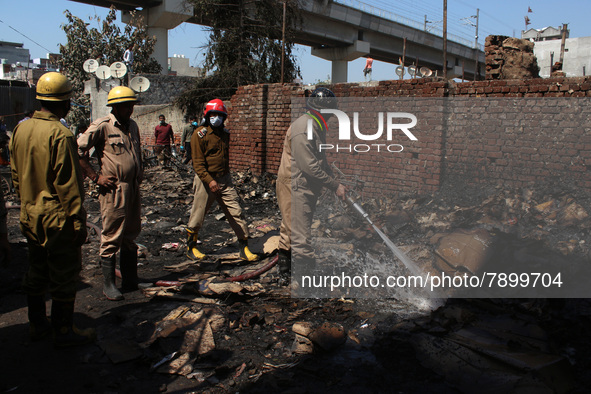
49, 181
302, 174
211, 161
117, 143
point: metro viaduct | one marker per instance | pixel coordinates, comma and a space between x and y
335, 32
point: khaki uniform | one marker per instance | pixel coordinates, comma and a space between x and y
187, 135
48, 178
119, 155
210, 152
302, 174
186, 141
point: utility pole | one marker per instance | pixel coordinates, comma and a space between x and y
403, 52
283, 42
562, 44
476, 46
445, 39
469, 21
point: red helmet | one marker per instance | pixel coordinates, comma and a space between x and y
215, 105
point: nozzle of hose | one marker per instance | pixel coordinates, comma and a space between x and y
358, 208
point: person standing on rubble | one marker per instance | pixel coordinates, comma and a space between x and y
128, 58
303, 173
164, 138
116, 141
186, 137
211, 161
368, 68
48, 179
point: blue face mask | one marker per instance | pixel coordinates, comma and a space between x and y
216, 120
195, 124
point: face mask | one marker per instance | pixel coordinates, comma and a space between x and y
162, 122
216, 120
195, 124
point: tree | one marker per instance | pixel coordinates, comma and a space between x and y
106, 45
244, 47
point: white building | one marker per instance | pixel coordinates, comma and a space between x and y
547, 42
179, 65
544, 34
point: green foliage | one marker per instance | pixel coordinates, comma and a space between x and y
245, 47
107, 46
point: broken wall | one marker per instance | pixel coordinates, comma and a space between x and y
146, 117
474, 156
510, 58
156, 100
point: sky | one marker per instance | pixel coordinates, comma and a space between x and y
36, 24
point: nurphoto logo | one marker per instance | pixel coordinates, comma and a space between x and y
394, 126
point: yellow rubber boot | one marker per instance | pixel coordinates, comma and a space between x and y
245, 253
192, 252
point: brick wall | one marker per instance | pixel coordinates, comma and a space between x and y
496, 132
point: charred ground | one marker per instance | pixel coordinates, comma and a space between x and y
245, 338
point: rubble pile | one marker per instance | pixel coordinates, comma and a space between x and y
510, 58
519, 226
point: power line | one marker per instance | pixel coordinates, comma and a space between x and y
487, 14
28, 38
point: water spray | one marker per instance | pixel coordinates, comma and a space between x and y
408, 263
355, 183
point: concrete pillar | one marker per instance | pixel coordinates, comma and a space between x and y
339, 71
168, 15
161, 47
341, 56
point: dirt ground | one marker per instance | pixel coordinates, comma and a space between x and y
246, 340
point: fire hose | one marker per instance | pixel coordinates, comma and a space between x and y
246, 276
355, 183
249, 275
397, 252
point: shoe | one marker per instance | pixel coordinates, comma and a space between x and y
73, 336
192, 252
245, 253
65, 333
109, 288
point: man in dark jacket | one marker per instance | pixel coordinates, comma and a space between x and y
164, 138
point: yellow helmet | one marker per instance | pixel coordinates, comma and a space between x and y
54, 86
120, 94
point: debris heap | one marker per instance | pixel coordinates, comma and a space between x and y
510, 58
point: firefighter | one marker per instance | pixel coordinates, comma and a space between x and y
303, 173
186, 137
210, 145
116, 141
49, 181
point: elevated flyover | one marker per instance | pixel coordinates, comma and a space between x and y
335, 30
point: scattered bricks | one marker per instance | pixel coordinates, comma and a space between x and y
302, 345
302, 328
